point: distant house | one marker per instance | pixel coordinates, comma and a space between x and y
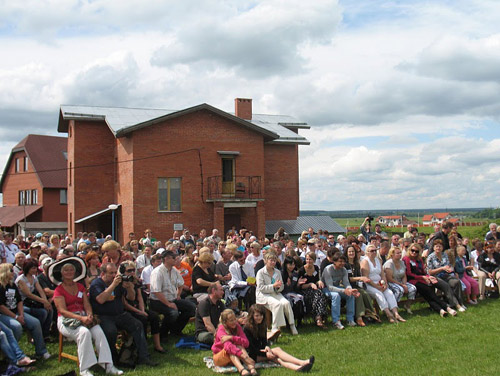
34, 186
195, 168
427, 219
391, 220
438, 218
441, 217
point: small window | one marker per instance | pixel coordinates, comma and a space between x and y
25, 163
63, 196
65, 155
169, 194
27, 197
21, 198
17, 164
34, 197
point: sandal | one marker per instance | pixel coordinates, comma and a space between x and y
254, 372
360, 322
245, 370
320, 323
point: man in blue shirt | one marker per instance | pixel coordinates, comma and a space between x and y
106, 294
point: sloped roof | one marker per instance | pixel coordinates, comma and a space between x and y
441, 215
121, 121
46, 154
10, 215
296, 226
427, 217
390, 216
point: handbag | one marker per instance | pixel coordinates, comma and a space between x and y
31, 303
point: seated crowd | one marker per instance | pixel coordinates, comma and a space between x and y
92, 289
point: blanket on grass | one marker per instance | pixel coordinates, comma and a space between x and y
209, 361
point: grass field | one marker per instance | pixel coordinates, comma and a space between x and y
425, 344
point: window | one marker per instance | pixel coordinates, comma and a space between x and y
34, 196
17, 164
169, 194
27, 197
25, 163
21, 198
70, 172
63, 196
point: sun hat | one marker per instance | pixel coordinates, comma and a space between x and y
54, 271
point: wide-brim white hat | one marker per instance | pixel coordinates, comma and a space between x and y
55, 274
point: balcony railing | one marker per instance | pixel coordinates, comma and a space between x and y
241, 187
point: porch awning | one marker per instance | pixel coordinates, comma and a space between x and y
96, 214
10, 215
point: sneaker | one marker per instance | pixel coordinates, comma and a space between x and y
25, 362
338, 325
86, 372
293, 329
351, 323
46, 355
461, 309
112, 370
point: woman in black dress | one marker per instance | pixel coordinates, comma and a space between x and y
259, 350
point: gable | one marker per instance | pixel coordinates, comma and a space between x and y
47, 158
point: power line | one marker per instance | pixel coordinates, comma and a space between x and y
112, 163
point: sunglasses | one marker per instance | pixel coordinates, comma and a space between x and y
130, 270
414, 250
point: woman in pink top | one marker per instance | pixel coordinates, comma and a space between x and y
75, 319
230, 343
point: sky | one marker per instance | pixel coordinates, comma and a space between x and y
403, 97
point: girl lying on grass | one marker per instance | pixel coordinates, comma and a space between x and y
230, 343
259, 350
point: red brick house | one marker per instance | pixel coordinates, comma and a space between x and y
200, 167
33, 185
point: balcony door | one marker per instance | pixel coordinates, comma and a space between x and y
228, 176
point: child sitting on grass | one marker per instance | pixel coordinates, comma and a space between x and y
230, 343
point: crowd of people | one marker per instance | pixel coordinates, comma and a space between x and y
92, 289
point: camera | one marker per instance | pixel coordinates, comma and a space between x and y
127, 278
123, 272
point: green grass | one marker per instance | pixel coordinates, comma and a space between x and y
425, 344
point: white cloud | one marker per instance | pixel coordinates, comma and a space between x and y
399, 94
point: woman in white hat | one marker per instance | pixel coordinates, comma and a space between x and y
76, 320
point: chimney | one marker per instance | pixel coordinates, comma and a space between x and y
243, 108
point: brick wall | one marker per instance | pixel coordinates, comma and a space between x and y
201, 130
282, 181
15, 182
92, 188
52, 210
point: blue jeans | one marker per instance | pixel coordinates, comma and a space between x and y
9, 345
44, 316
32, 325
336, 298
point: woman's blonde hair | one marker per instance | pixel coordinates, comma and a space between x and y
224, 318
206, 257
4, 274
270, 255
391, 252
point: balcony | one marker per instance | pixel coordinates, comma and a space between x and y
239, 188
